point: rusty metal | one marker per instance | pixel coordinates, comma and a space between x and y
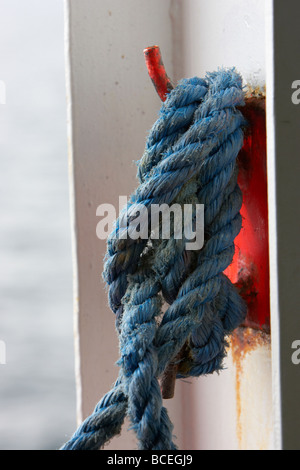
244, 341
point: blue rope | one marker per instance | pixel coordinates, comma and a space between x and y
190, 158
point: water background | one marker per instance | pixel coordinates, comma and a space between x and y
37, 385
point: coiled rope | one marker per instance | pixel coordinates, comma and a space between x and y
190, 158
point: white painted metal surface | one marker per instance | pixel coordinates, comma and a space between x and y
111, 107
274, 283
214, 34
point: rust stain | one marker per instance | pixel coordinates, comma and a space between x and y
244, 341
255, 91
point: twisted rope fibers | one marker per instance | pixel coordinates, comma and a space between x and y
190, 158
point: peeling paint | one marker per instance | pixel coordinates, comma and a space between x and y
255, 91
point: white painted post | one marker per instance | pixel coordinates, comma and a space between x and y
111, 107
272, 205
233, 410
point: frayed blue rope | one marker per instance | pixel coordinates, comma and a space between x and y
190, 157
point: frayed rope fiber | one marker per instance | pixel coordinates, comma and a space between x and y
190, 158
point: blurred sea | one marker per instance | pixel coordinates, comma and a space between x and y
37, 385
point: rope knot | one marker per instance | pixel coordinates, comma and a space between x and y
189, 159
